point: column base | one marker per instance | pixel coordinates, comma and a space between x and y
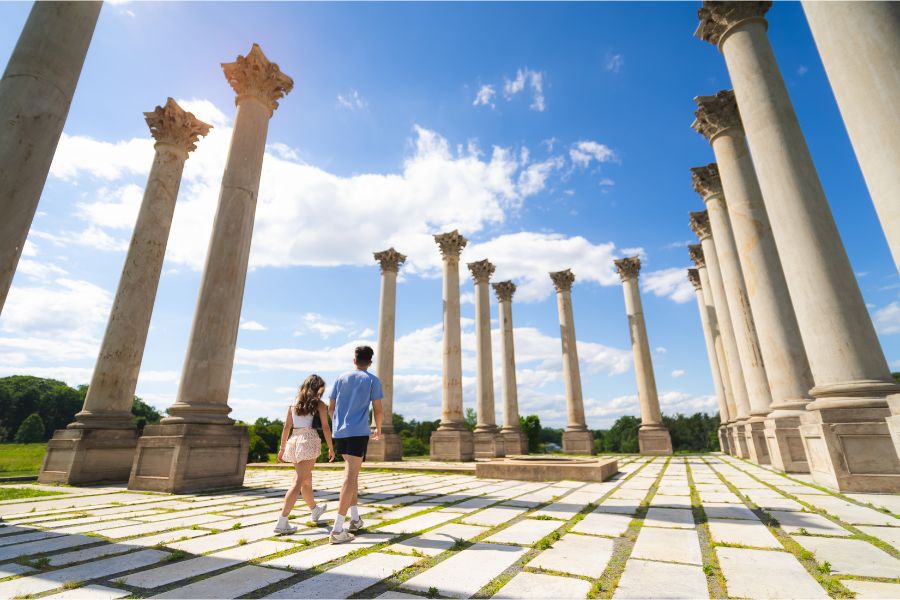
755, 434
738, 441
86, 456
388, 449
850, 449
189, 457
724, 442
785, 444
655, 441
578, 442
455, 445
489, 444
515, 442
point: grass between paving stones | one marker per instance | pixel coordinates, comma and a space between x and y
715, 579
806, 558
15, 493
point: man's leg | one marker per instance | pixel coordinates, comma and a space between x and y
348, 489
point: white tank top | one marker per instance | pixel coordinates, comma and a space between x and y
301, 421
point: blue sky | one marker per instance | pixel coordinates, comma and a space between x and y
553, 135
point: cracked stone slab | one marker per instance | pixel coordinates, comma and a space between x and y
576, 554
766, 574
852, 557
675, 545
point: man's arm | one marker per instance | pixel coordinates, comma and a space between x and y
379, 414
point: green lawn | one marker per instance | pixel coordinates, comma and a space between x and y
21, 459
11, 493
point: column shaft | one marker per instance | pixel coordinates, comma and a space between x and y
514, 440
708, 323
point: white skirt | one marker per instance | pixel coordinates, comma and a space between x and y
304, 444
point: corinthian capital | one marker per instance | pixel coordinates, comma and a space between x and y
563, 280
451, 243
390, 260
716, 114
700, 224
628, 268
718, 17
696, 253
481, 270
504, 290
256, 77
171, 124
694, 278
706, 181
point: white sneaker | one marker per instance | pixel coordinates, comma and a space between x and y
286, 528
356, 525
341, 537
318, 511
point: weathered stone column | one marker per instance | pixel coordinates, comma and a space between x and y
844, 431
577, 439
708, 322
197, 446
99, 445
707, 185
488, 440
35, 94
513, 438
787, 367
653, 437
389, 447
859, 43
451, 440
741, 413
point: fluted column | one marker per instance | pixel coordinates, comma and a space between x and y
707, 185
708, 323
577, 439
389, 447
513, 438
653, 437
845, 436
35, 94
452, 441
105, 423
787, 368
488, 440
200, 413
859, 43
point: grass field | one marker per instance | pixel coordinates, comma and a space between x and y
11, 493
21, 459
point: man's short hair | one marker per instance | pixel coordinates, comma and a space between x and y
363, 355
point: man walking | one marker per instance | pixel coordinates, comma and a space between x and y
351, 396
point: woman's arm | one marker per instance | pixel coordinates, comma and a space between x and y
326, 430
285, 433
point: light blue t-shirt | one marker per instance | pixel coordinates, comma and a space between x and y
352, 393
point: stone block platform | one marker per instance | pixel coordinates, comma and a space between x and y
548, 468
708, 526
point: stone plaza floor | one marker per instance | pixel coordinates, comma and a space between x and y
682, 527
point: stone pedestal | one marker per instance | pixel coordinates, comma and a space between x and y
755, 434
893, 422
724, 442
452, 444
85, 456
489, 444
785, 444
388, 449
738, 441
189, 457
578, 442
654, 441
514, 442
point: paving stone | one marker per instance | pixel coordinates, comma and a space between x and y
313, 557
426, 521
852, 557
650, 579
201, 545
849, 512
31, 536
91, 592
95, 552
669, 517
437, 540
539, 586
11, 569
50, 545
873, 589
793, 522
629, 494
743, 532
166, 537
493, 516
664, 501
525, 532
230, 584
766, 574
716, 496
46, 581
403, 512
724, 510
599, 523
98, 527
888, 501
395, 595
349, 578
576, 554
466, 572
770, 503
471, 505
891, 535
619, 505
675, 545
119, 533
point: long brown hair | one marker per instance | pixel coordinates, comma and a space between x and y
308, 395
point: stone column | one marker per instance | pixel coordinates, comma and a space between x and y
452, 441
99, 445
653, 437
577, 439
35, 94
847, 441
708, 322
707, 185
197, 446
859, 43
787, 367
513, 438
488, 439
389, 447
741, 413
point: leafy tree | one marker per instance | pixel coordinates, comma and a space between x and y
622, 436
550, 435
144, 414
471, 419
31, 430
259, 449
413, 446
531, 427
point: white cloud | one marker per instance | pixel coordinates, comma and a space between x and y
678, 373
352, 100
661, 350
613, 62
253, 326
485, 96
324, 326
584, 152
802, 70
527, 78
887, 318
669, 283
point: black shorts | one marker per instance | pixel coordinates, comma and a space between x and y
355, 445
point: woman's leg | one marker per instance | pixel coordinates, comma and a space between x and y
290, 499
304, 473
